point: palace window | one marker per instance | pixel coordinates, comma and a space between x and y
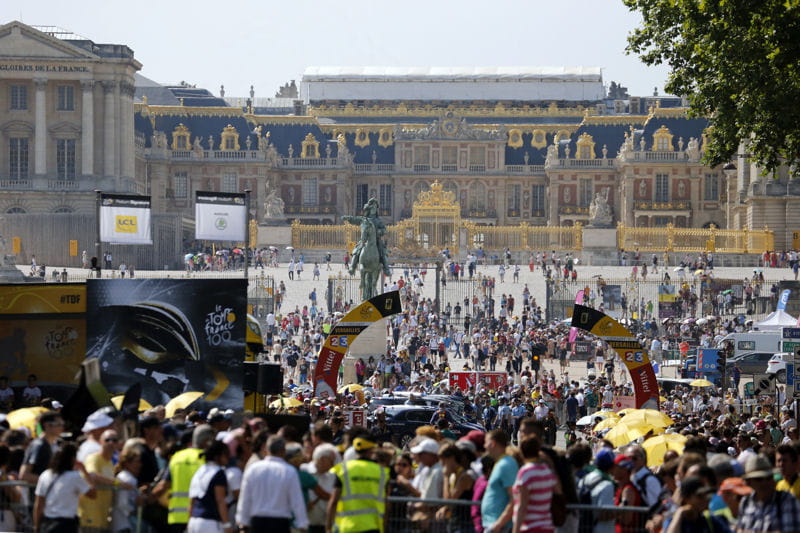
386, 198
18, 158
477, 159
230, 183
310, 191
309, 147
180, 184
362, 195
180, 137
513, 199
711, 187
662, 140
65, 159
585, 193
16, 210
477, 197
18, 97
449, 158
229, 138
585, 146
660, 222
66, 98
422, 159
538, 200
662, 188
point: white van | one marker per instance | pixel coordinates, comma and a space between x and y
753, 341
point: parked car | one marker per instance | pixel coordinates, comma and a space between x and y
750, 363
777, 365
403, 421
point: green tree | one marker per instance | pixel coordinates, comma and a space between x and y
738, 61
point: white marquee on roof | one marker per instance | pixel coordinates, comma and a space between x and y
453, 83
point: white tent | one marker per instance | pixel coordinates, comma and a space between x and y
775, 321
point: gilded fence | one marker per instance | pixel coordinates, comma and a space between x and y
319, 237
524, 237
672, 239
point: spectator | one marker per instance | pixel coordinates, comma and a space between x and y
497, 503
57, 491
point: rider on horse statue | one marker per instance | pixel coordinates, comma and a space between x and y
370, 216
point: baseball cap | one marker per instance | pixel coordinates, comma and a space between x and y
477, 437
604, 459
624, 461
97, 420
363, 443
426, 445
736, 485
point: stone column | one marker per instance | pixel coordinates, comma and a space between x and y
126, 92
109, 126
87, 128
40, 127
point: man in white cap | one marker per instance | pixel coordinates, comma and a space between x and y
97, 422
428, 482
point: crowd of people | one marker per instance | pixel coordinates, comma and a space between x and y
535, 461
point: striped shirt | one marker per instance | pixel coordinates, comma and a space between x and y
540, 482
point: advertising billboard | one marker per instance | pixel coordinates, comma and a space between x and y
170, 335
125, 219
42, 332
220, 216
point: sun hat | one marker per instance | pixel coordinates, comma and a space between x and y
757, 467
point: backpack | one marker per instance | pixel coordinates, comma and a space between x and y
586, 517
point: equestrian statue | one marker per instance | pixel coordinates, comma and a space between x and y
369, 256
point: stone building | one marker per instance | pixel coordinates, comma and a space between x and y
515, 145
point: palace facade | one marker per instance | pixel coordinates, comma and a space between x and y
515, 145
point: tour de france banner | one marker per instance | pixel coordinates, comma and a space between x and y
42, 332
342, 336
171, 335
630, 351
220, 216
125, 219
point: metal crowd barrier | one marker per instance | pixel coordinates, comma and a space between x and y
415, 515
18, 516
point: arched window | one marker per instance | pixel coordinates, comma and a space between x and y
63, 209
16, 210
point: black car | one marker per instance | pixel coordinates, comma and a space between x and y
750, 363
403, 421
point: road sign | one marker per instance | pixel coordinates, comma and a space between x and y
790, 333
790, 347
764, 384
790, 374
796, 389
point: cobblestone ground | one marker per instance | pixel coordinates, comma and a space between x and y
297, 290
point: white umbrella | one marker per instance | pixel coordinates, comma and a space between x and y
702, 321
588, 420
677, 269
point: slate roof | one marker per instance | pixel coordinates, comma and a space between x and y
680, 127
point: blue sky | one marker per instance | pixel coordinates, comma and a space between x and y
267, 43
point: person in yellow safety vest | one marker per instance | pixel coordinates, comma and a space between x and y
182, 466
358, 502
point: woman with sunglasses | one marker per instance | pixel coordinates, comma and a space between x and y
402, 476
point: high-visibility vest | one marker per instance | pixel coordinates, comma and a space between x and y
362, 503
182, 467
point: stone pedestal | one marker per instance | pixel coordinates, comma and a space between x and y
370, 342
599, 246
9, 273
274, 235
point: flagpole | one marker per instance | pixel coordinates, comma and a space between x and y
97, 244
246, 232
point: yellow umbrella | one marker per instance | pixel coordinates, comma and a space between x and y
623, 433
662, 399
181, 401
116, 401
626, 410
651, 417
25, 418
608, 423
286, 403
656, 447
349, 389
701, 383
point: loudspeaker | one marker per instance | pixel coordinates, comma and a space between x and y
270, 379
250, 379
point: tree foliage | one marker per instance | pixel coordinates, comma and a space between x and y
738, 61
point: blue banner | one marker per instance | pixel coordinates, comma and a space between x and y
784, 299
